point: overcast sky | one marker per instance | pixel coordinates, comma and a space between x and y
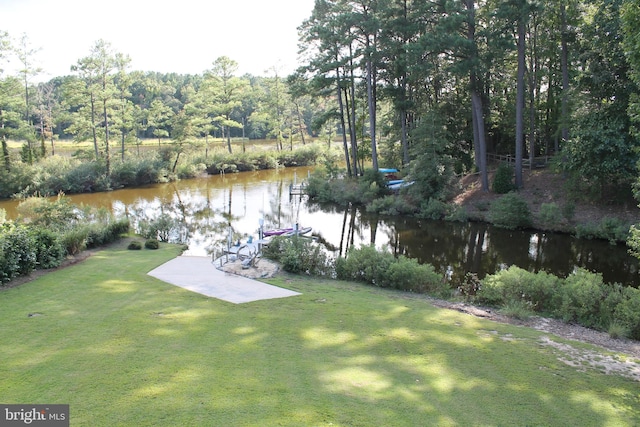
182, 36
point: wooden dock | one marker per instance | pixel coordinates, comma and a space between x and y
297, 189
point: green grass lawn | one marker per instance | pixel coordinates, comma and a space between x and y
125, 349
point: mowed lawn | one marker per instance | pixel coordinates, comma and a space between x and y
125, 349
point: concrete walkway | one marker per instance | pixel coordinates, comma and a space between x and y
198, 274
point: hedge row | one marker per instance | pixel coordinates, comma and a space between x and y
383, 269
25, 248
581, 298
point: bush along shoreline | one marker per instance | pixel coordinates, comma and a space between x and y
72, 175
51, 231
433, 200
581, 298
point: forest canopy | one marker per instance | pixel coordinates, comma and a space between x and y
441, 85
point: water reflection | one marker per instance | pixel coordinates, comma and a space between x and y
206, 210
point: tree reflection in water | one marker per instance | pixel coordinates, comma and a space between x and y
204, 212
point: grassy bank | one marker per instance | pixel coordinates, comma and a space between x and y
123, 348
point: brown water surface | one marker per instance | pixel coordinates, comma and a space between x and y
205, 210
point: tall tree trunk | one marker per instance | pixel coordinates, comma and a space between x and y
564, 61
228, 131
5, 154
533, 91
477, 114
300, 123
122, 145
93, 126
43, 147
352, 133
175, 164
372, 114
5, 146
477, 119
520, 98
352, 126
403, 137
342, 122
106, 137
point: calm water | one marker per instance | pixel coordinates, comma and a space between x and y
207, 209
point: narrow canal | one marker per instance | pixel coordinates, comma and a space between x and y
204, 210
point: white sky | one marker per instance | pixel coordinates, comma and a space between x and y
181, 36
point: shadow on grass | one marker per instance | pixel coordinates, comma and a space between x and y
123, 348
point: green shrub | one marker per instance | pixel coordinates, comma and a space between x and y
102, 233
16, 180
151, 244
433, 175
160, 228
612, 229
319, 188
581, 296
483, 205
503, 180
391, 205
587, 231
371, 185
17, 252
434, 209
614, 295
299, 255
550, 216
458, 213
338, 191
189, 170
381, 205
510, 211
364, 264
367, 264
569, 210
617, 331
307, 155
87, 177
55, 215
633, 242
406, 274
516, 285
48, 247
74, 240
470, 286
267, 161
517, 309
134, 245
627, 312
136, 171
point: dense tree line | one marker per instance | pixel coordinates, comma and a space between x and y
104, 102
454, 80
430, 86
